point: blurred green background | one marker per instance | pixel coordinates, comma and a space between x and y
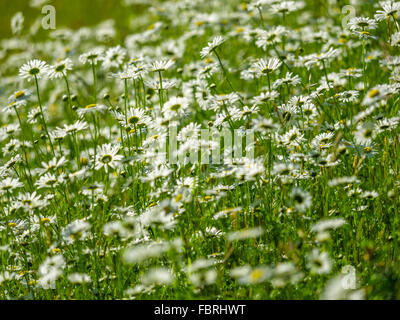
70, 13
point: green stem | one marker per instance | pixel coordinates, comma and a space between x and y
29, 178
126, 112
261, 16
42, 114
94, 82
363, 64
68, 92
223, 69
160, 90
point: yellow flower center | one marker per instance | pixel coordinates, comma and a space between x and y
178, 197
84, 161
373, 93
256, 275
133, 120
19, 94
106, 158
34, 71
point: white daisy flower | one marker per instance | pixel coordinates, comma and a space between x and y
60, 68
107, 157
211, 46
34, 69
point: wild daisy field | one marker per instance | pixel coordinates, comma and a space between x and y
181, 149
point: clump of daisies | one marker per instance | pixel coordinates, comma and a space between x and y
245, 150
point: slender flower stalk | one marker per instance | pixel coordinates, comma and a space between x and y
160, 90
94, 74
223, 69
93, 65
29, 177
126, 96
68, 92
364, 65
42, 115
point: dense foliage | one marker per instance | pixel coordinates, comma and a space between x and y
93, 207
